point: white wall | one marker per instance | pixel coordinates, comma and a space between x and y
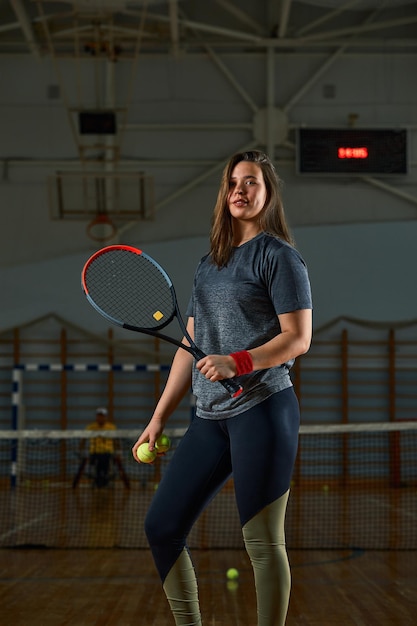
361, 263
36, 139
364, 271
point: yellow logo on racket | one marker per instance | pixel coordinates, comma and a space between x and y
158, 316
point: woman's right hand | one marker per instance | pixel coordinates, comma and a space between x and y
150, 435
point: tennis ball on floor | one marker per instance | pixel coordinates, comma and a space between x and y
163, 443
144, 454
232, 573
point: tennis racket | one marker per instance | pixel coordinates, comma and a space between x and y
131, 290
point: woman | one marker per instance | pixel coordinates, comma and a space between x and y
250, 312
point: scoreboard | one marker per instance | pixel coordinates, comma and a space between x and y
350, 151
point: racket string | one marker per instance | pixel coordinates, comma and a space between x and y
131, 289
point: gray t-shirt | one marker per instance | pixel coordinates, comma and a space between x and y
236, 308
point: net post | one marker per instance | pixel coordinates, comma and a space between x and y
345, 404
395, 450
16, 391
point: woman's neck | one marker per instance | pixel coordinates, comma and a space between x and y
239, 238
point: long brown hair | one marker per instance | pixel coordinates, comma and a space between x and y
271, 220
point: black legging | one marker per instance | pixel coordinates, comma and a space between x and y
258, 447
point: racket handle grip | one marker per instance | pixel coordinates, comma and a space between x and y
229, 384
232, 387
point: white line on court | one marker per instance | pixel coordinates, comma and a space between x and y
24, 526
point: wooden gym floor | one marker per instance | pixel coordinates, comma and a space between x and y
110, 587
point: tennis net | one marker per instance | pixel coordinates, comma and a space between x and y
354, 486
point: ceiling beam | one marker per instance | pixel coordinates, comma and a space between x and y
362, 28
328, 63
390, 189
285, 16
26, 26
205, 28
240, 15
174, 29
326, 17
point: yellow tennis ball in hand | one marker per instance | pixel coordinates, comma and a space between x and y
144, 454
163, 443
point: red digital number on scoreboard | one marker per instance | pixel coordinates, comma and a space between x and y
352, 153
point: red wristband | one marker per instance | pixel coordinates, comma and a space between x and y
244, 363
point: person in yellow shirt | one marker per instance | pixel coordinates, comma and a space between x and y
101, 449
103, 452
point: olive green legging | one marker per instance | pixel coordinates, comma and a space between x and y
265, 544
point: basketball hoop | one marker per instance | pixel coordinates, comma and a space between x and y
101, 228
